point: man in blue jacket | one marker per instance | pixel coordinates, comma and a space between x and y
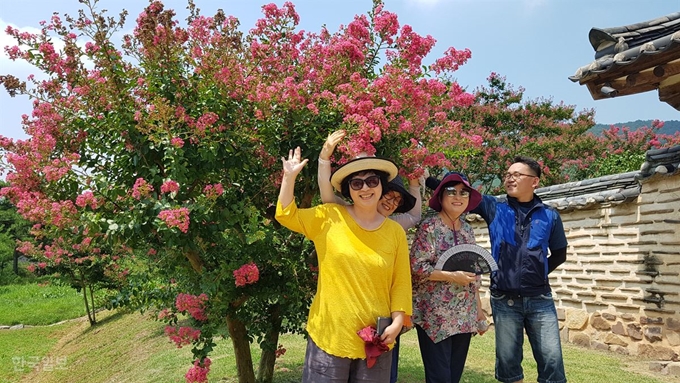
528, 242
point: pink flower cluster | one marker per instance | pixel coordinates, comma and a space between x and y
87, 199
199, 372
213, 191
183, 335
169, 186
246, 274
192, 304
141, 189
177, 142
178, 218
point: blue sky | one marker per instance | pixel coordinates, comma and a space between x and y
535, 44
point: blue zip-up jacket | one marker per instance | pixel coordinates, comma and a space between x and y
521, 235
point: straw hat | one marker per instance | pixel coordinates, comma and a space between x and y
362, 164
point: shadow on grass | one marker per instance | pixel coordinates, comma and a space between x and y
110, 318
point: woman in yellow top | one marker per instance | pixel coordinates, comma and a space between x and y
364, 270
406, 206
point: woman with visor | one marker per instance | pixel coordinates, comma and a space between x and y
446, 304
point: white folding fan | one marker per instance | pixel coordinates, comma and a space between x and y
467, 257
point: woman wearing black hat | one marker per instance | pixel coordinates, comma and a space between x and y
407, 206
364, 271
446, 305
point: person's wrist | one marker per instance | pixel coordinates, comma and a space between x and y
324, 161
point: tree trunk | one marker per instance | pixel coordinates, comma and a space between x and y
244, 360
94, 311
265, 372
83, 287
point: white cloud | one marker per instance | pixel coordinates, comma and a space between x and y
18, 67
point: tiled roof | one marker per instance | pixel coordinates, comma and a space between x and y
611, 189
661, 161
635, 59
621, 46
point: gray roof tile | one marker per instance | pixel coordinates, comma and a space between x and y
620, 46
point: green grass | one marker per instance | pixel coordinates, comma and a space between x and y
126, 347
39, 304
22, 349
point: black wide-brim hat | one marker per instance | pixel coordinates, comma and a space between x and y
473, 201
362, 164
397, 185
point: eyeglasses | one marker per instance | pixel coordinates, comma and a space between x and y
394, 199
358, 183
516, 176
452, 192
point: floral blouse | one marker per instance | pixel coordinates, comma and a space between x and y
442, 309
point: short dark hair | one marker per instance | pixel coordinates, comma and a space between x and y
344, 185
530, 162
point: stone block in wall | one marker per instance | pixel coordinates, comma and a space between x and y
619, 329
628, 317
561, 314
657, 366
626, 309
563, 293
620, 350
644, 221
655, 209
581, 339
613, 339
599, 323
653, 334
608, 281
595, 306
609, 316
614, 297
564, 332
663, 237
634, 331
673, 338
648, 320
673, 324
674, 369
599, 346
656, 352
576, 319
586, 295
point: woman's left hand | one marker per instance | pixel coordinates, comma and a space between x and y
462, 278
391, 332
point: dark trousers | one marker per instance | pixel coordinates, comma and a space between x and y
443, 361
395, 361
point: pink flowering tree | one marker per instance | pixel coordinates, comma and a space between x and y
163, 150
506, 125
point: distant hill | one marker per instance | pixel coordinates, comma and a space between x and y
670, 126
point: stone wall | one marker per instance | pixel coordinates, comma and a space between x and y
619, 289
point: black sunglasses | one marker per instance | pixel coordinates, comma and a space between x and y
358, 183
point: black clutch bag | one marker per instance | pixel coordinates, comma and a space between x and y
381, 324
467, 257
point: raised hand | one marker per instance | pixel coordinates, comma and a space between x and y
331, 142
294, 164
